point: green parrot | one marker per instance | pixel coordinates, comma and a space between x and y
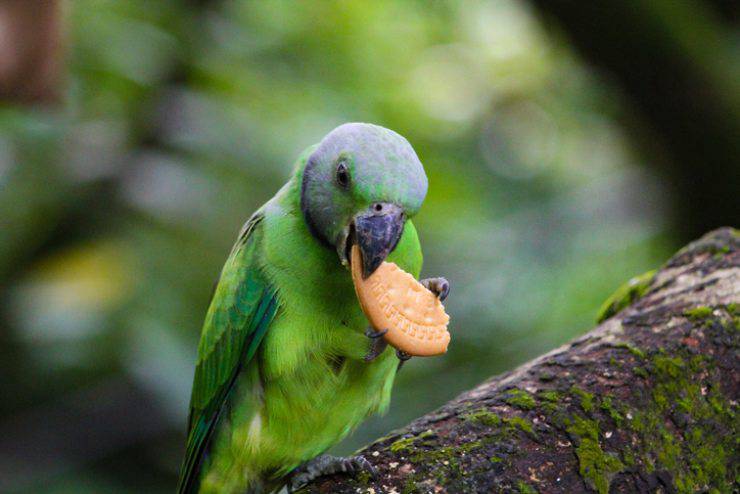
287, 364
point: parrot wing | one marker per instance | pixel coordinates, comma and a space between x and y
240, 313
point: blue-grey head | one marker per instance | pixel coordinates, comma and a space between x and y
361, 183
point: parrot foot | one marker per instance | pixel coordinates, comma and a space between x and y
438, 286
328, 465
377, 343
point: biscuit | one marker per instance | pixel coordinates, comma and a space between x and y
392, 299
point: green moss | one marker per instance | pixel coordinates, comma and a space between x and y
716, 401
640, 371
520, 399
697, 458
410, 487
470, 446
669, 454
547, 377
719, 252
549, 401
698, 313
520, 423
631, 348
697, 363
662, 450
525, 488
682, 427
629, 458
363, 478
625, 295
671, 367
483, 416
551, 396
402, 444
447, 459
407, 443
595, 466
427, 452
607, 406
709, 461
586, 398
733, 310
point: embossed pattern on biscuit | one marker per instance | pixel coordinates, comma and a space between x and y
392, 299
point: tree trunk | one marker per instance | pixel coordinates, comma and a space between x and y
645, 402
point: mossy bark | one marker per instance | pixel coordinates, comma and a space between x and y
645, 402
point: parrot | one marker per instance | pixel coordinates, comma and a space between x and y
287, 363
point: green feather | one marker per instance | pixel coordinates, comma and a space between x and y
239, 315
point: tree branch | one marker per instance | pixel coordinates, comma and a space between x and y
645, 401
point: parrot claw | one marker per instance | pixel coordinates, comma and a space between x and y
373, 335
438, 286
377, 343
402, 358
328, 465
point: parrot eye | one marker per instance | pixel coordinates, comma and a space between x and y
342, 175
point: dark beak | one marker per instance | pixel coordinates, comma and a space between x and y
377, 232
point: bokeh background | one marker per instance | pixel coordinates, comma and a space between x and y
569, 146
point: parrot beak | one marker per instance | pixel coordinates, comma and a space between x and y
376, 232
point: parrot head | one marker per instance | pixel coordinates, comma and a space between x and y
360, 184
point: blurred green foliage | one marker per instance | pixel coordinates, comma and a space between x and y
181, 119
